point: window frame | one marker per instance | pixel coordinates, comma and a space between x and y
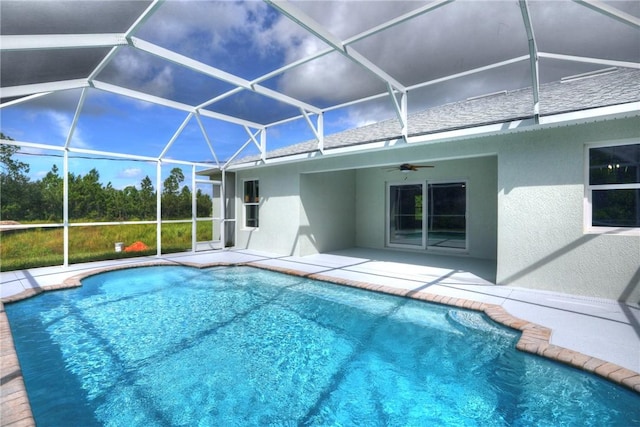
246, 204
589, 188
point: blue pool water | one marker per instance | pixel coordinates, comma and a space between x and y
237, 346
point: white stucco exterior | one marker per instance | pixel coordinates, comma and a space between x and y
525, 205
542, 239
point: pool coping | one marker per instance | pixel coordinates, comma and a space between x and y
15, 409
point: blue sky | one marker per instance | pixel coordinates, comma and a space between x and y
250, 39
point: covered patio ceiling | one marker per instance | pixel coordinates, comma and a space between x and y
243, 78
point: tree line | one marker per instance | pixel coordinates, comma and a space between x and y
22, 199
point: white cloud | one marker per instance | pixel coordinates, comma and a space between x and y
63, 101
31, 151
198, 27
62, 124
335, 78
454, 38
363, 115
140, 73
130, 173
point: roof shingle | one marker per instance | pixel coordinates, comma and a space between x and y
613, 88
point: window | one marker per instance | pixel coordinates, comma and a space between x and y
251, 203
613, 187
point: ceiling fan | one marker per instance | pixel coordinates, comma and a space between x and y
408, 167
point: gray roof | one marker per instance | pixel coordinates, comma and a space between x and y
612, 88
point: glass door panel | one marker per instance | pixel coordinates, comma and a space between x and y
447, 215
406, 218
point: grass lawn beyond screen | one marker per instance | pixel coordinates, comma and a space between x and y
41, 247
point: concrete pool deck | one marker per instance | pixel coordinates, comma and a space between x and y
597, 335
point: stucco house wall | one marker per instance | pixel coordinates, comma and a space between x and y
481, 178
526, 206
542, 241
279, 210
301, 213
328, 212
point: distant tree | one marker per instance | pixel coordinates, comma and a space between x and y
171, 185
51, 187
147, 200
115, 204
89, 200
203, 204
171, 208
86, 196
12, 168
15, 201
131, 197
184, 203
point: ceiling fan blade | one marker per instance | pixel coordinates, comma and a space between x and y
405, 167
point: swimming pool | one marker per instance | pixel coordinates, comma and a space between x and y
243, 346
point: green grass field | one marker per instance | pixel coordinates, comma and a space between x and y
41, 247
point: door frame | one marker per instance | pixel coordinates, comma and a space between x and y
388, 218
426, 215
197, 245
465, 183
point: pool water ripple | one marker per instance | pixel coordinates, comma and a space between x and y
164, 346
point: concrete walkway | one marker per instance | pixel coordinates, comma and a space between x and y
598, 335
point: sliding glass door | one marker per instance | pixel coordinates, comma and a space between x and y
447, 215
406, 219
427, 215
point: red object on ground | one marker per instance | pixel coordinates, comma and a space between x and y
137, 246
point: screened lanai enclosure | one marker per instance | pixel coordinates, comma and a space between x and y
140, 113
